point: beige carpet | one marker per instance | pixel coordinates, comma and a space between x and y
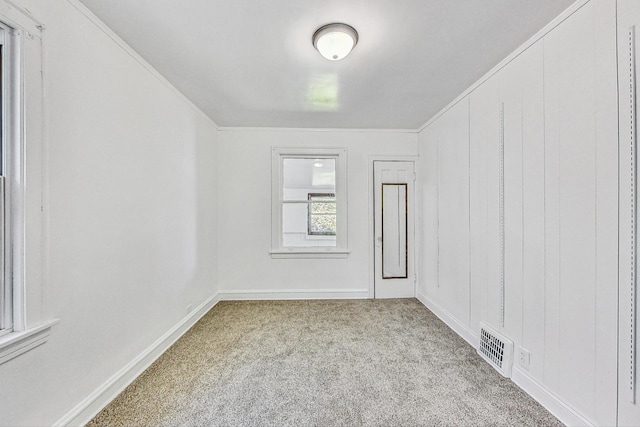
321, 363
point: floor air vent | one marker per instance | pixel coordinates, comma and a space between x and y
496, 349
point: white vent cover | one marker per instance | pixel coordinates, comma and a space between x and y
496, 349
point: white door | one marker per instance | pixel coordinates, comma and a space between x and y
394, 229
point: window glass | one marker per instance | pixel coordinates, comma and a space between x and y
321, 218
308, 202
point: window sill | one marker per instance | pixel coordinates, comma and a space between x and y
16, 343
309, 253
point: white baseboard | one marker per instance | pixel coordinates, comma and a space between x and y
293, 294
84, 411
551, 402
461, 329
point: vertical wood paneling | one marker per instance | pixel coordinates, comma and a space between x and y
533, 202
429, 187
552, 99
493, 247
606, 133
558, 100
477, 206
578, 128
485, 137
508, 110
452, 132
628, 16
511, 83
575, 213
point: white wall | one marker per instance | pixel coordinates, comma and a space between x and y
131, 216
246, 269
556, 105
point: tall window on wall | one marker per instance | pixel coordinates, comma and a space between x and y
309, 203
24, 321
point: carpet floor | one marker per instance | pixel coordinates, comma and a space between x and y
322, 363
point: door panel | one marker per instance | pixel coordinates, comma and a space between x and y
394, 229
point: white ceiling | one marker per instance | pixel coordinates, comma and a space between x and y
251, 62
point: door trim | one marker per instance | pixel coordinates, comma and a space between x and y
371, 213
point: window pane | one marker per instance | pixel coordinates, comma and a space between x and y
322, 214
296, 226
322, 224
302, 176
323, 208
294, 218
312, 183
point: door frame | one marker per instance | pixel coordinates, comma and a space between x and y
417, 217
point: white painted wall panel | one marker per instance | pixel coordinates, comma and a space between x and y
552, 99
501, 109
607, 224
628, 16
428, 185
580, 113
485, 113
558, 98
443, 151
452, 137
484, 130
511, 80
492, 304
533, 267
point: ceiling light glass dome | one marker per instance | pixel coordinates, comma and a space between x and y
335, 41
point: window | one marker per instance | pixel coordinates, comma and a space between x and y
321, 214
24, 321
309, 206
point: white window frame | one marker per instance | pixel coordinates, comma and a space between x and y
340, 250
24, 174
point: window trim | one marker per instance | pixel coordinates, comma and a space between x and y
25, 177
10, 111
277, 161
6, 289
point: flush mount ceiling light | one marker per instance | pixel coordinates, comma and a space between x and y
335, 41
